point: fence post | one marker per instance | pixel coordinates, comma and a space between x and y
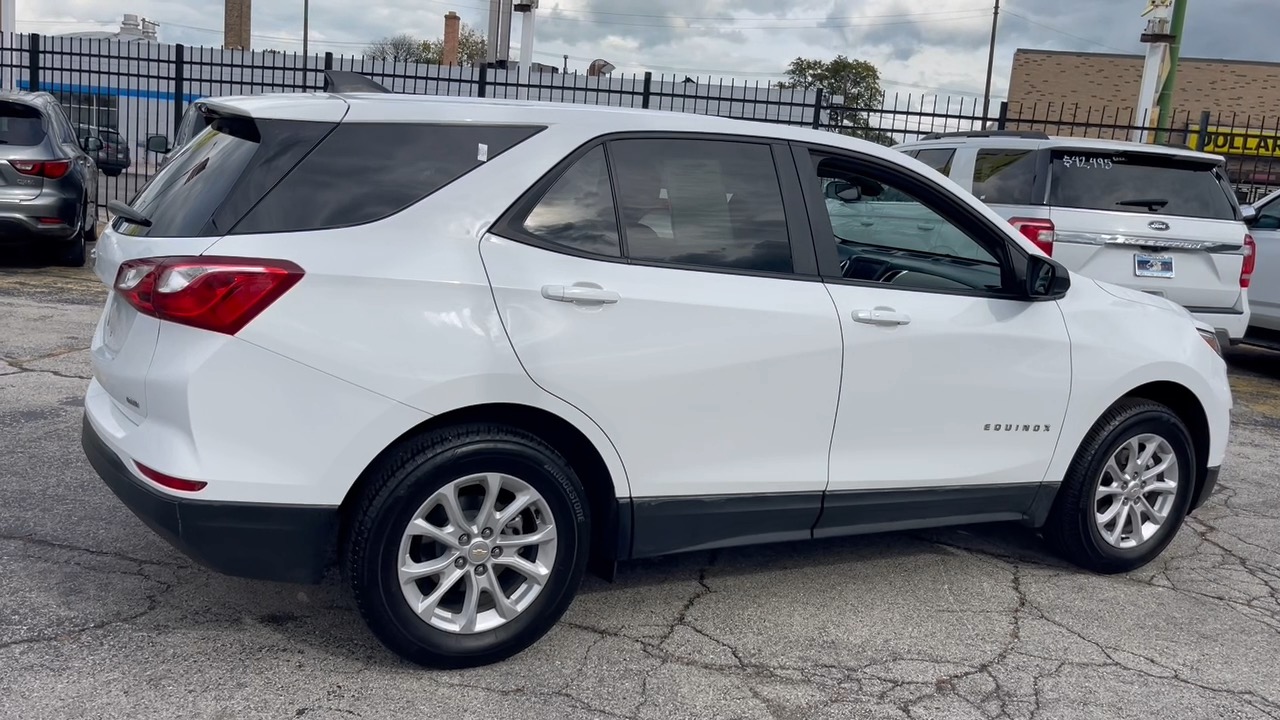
648, 82
33, 64
328, 61
1203, 131
179, 85
817, 109
1002, 120
484, 79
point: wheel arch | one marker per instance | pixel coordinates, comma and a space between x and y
611, 515
1187, 406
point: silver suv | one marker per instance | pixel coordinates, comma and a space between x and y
48, 180
1160, 220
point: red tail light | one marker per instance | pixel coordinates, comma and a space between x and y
1250, 259
1039, 231
221, 294
170, 482
52, 169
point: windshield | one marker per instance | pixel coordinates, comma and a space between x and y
1139, 183
20, 125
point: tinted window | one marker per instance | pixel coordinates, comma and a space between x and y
182, 198
20, 125
938, 159
1005, 177
1138, 183
577, 212
1269, 217
364, 172
698, 202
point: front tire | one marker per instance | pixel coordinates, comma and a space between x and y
467, 545
1127, 490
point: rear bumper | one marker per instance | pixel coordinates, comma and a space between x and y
285, 543
1231, 324
20, 221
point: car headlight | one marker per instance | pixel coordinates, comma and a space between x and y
1211, 338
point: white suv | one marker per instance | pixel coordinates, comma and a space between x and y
477, 347
1157, 219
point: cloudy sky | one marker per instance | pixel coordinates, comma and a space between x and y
931, 46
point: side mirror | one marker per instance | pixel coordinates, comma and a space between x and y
158, 144
91, 144
1250, 214
1046, 279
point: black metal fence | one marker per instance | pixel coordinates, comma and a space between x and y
131, 90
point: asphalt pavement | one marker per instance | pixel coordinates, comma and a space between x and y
100, 618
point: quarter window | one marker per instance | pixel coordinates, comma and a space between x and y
938, 159
706, 203
577, 212
1005, 177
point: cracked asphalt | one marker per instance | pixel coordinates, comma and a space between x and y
99, 618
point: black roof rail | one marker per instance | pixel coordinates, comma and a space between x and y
1028, 134
342, 81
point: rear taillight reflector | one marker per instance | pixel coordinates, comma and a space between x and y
220, 294
169, 481
1039, 231
52, 169
1250, 259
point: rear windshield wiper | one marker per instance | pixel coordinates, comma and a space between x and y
1151, 204
128, 214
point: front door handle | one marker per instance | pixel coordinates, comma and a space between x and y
886, 317
580, 294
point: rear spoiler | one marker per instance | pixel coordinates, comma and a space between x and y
341, 81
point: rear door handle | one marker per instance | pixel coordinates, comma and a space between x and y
885, 317
580, 294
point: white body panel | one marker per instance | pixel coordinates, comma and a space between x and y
926, 404
708, 383
1264, 291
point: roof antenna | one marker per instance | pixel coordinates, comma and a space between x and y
342, 81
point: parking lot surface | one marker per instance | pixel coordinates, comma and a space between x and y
100, 618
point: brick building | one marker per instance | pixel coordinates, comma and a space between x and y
1095, 94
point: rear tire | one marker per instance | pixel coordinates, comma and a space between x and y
427, 548
73, 253
1127, 490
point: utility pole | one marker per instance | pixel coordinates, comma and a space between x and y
1165, 102
306, 19
991, 61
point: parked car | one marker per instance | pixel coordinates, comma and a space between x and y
477, 348
48, 180
1264, 225
113, 158
1160, 220
193, 121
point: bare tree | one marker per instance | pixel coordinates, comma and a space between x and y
397, 48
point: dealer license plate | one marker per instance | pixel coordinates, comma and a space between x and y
1160, 266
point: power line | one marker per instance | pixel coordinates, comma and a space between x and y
1063, 32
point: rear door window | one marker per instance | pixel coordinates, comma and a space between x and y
21, 125
1005, 177
1139, 183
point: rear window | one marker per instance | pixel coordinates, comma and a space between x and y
182, 198
1005, 177
20, 125
1139, 183
364, 172
112, 137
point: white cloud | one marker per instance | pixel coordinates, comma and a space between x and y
920, 45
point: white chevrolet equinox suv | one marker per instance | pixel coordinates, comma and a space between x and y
467, 350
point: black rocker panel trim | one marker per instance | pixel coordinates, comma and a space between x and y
667, 525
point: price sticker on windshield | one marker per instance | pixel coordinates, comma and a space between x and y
1088, 162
